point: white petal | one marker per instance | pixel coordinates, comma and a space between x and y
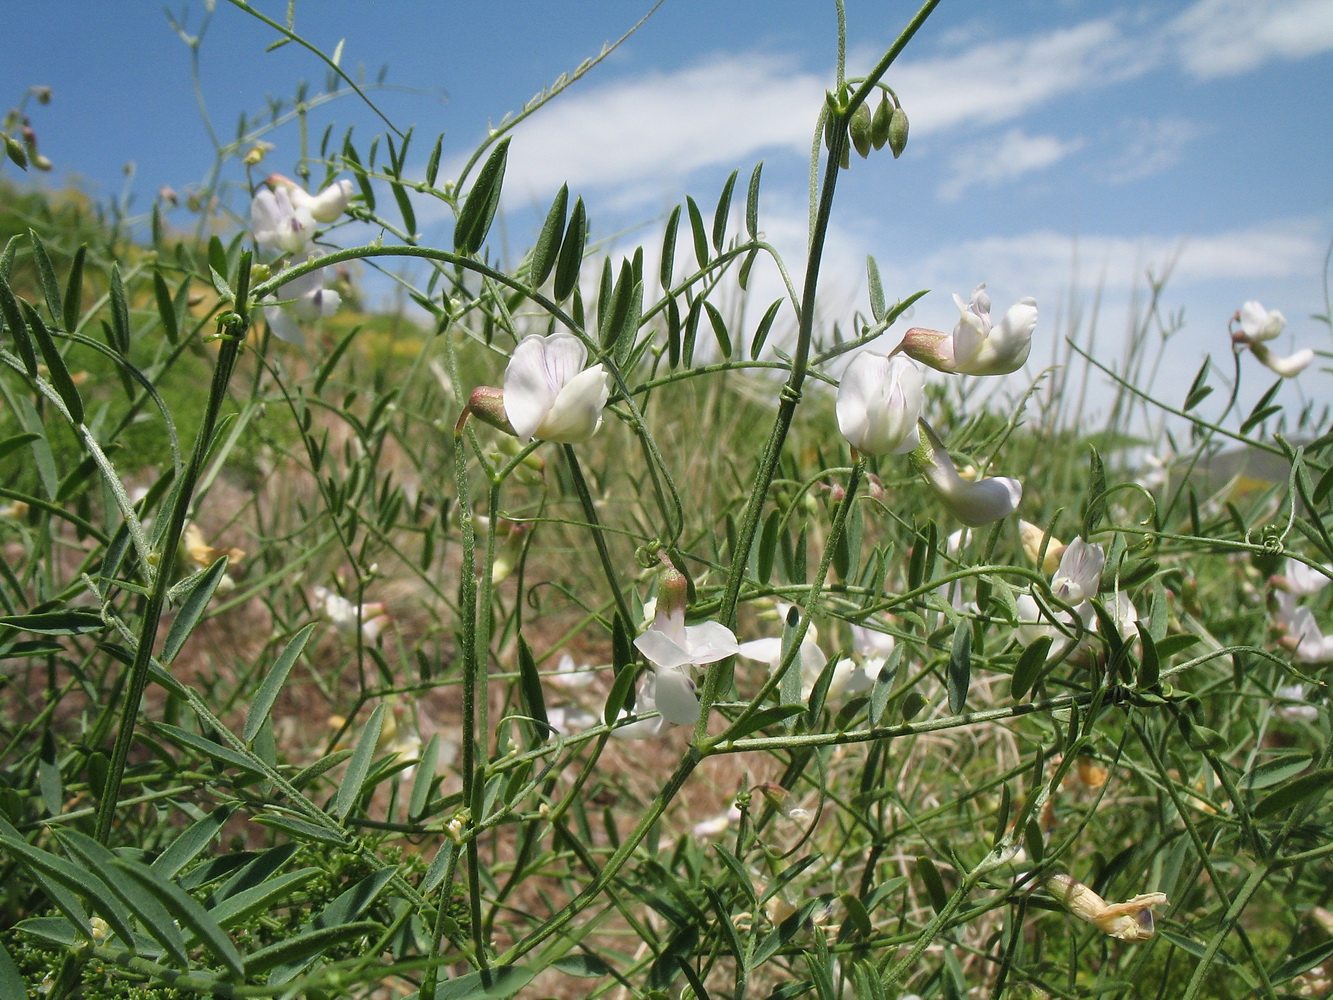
1258, 323
1080, 572
529, 391
1287, 367
661, 650
676, 700
283, 326
709, 642
762, 650
576, 412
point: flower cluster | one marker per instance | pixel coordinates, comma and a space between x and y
880, 400
1295, 622
1075, 581
283, 217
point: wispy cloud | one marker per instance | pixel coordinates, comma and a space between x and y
642, 134
1148, 147
1014, 154
1226, 37
998, 80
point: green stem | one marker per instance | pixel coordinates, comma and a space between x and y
232, 328
603, 553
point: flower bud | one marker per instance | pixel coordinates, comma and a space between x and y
1131, 921
879, 126
860, 131
487, 403
898, 132
14, 149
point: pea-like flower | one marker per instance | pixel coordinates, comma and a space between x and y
1129, 921
976, 346
344, 616
323, 207
549, 395
302, 301
1079, 574
879, 403
1258, 326
279, 223
973, 503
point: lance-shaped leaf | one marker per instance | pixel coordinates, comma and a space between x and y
474, 221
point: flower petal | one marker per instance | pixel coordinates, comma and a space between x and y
676, 700
576, 412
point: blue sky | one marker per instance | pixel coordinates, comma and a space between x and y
1058, 147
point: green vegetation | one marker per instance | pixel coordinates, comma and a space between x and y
282, 629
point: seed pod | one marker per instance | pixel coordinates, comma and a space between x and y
14, 149
898, 132
879, 127
860, 130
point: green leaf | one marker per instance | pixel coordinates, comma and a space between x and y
491, 984
424, 779
930, 876
151, 914
1198, 389
723, 212
762, 719
1273, 771
878, 307
719, 329
547, 249
1302, 963
474, 221
192, 609
55, 364
74, 880
433, 164
214, 751
305, 947
582, 966
341, 913
668, 262
697, 230
11, 983
240, 906
1094, 502
530, 687
1288, 795
570, 262
404, 201
74, 290
960, 666
56, 622
46, 276
1150, 668
120, 310
166, 308
268, 692
191, 842
765, 326
752, 203
768, 545
359, 766
620, 688
18, 329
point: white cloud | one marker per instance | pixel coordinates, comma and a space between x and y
1148, 147
999, 80
1226, 37
638, 134
1015, 153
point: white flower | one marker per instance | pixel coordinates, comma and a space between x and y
671, 647
669, 692
717, 824
325, 206
1296, 708
879, 402
343, 615
304, 300
1301, 578
549, 395
1305, 639
973, 503
1080, 572
568, 720
1258, 323
769, 650
279, 223
1288, 367
977, 346
570, 675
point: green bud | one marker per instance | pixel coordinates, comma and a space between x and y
860, 131
898, 132
16, 152
879, 126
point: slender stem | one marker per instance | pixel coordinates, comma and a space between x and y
232, 328
603, 553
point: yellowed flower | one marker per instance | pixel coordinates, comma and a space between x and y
1033, 538
1128, 921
